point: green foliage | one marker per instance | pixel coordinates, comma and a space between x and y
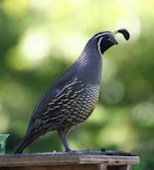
39, 40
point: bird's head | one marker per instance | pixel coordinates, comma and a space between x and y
107, 39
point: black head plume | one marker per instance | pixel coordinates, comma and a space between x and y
124, 32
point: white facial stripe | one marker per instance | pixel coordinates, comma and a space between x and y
99, 44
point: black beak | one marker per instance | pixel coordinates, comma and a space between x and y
113, 40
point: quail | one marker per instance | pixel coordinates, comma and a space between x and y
72, 98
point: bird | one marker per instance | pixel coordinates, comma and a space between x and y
72, 98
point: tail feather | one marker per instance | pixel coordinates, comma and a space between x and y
22, 145
27, 140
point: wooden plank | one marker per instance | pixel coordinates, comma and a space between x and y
102, 167
109, 160
71, 167
60, 158
65, 167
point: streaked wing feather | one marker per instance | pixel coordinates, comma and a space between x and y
54, 106
50, 94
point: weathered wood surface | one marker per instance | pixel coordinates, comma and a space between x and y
67, 161
75, 167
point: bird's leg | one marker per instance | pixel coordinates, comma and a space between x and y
64, 141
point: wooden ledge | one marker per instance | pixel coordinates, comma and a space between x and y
61, 158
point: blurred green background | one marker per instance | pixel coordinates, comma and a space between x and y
40, 39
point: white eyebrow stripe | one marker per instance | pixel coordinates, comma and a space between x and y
101, 34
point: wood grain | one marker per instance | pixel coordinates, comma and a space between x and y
60, 158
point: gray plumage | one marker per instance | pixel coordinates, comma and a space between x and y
73, 97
